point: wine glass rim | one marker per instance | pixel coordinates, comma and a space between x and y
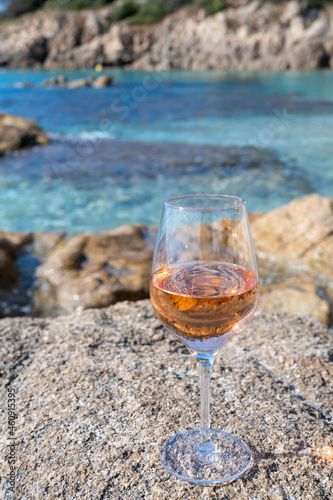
237, 201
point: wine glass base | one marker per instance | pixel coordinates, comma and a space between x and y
229, 458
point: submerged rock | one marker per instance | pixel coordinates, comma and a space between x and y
99, 392
18, 133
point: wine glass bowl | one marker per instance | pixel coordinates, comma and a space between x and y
204, 288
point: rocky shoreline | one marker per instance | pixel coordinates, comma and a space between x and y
47, 274
254, 35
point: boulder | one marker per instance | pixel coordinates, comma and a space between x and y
79, 84
46, 242
14, 297
16, 240
97, 393
294, 245
17, 133
55, 81
299, 232
8, 270
102, 81
95, 271
296, 296
93, 81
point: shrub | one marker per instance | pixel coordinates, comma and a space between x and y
151, 12
308, 4
211, 6
77, 4
18, 7
128, 9
318, 4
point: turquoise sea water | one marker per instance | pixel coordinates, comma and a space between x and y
117, 153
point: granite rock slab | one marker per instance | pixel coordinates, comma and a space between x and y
302, 232
98, 392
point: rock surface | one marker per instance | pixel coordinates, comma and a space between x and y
8, 269
96, 271
97, 394
102, 81
17, 133
294, 245
300, 231
279, 35
14, 296
297, 296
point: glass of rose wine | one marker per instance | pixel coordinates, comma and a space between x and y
204, 287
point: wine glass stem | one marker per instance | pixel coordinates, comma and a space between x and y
205, 444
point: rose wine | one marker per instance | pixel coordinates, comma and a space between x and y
199, 301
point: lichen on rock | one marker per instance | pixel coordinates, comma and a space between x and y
99, 392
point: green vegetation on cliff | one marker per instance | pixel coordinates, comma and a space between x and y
149, 11
136, 11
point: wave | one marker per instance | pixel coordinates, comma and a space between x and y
95, 135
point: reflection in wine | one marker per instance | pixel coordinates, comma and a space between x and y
202, 300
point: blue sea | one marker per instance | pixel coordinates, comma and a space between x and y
117, 153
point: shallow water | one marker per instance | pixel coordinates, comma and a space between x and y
117, 153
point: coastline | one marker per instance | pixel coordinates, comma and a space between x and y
50, 274
252, 36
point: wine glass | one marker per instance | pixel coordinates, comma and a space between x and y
204, 287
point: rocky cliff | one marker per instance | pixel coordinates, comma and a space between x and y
252, 36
